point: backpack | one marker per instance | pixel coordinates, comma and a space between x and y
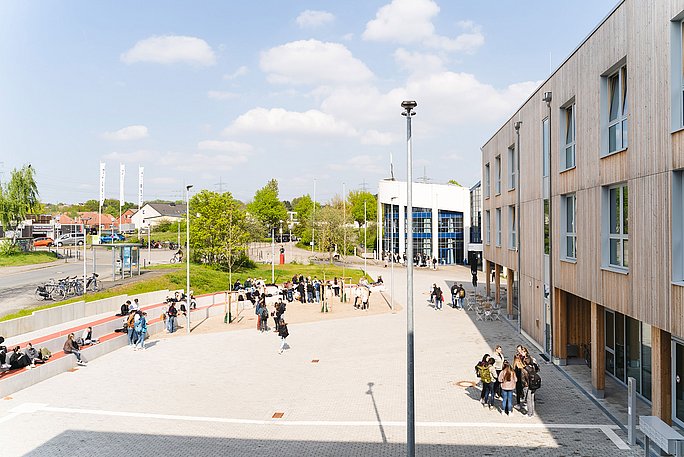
45, 353
461, 293
534, 381
485, 374
264, 313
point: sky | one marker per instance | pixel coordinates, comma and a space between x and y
225, 95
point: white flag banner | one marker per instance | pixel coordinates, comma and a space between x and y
141, 170
102, 183
122, 175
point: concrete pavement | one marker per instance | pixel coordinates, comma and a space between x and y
223, 394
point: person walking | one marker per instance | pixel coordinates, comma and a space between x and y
434, 263
454, 294
507, 380
439, 298
130, 328
460, 296
283, 333
264, 317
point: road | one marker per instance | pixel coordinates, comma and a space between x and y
18, 284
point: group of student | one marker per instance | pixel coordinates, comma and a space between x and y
17, 359
503, 378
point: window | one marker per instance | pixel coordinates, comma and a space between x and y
497, 170
568, 232
616, 225
677, 224
486, 180
512, 228
567, 156
547, 228
498, 226
512, 168
488, 232
614, 113
677, 71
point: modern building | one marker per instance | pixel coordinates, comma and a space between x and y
601, 213
441, 218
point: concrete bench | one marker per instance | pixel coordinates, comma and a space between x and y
661, 435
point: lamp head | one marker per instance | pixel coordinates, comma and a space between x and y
548, 96
517, 125
408, 105
188, 187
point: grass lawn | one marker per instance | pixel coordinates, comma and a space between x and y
27, 258
203, 279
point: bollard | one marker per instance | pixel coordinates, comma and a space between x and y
631, 411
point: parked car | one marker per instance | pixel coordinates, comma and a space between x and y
112, 237
70, 239
43, 241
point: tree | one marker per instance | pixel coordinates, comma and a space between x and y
18, 198
356, 200
217, 229
454, 182
266, 207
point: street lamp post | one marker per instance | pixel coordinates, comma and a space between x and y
408, 106
273, 255
187, 253
344, 232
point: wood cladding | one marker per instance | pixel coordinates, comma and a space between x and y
637, 33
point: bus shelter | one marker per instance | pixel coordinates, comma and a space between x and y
125, 259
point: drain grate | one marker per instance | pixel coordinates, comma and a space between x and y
278, 415
464, 384
315, 361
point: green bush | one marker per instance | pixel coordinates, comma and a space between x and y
7, 248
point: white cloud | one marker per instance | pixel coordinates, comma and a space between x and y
362, 163
221, 95
311, 18
280, 121
373, 137
171, 49
417, 62
225, 146
313, 62
139, 156
410, 21
132, 132
201, 161
242, 71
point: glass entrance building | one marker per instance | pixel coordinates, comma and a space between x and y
440, 213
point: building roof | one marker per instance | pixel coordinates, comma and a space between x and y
169, 209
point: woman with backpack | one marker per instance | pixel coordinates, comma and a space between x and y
141, 330
264, 317
487, 374
507, 380
533, 382
482, 363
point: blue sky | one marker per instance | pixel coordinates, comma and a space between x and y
240, 92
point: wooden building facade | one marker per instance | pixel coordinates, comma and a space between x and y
601, 214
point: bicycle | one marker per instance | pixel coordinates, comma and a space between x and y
93, 285
176, 258
586, 353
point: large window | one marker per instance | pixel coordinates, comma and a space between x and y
512, 237
511, 168
628, 351
488, 227
497, 176
546, 146
486, 181
567, 157
498, 226
677, 224
677, 71
615, 111
568, 233
616, 225
450, 237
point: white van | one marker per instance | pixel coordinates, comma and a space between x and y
70, 239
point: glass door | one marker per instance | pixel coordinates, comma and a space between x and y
548, 342
678, 381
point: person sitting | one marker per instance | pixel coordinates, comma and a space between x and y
237, 285
124, 309
87, 337
71, 347
18, 360
3, 355
132, 306
33, 355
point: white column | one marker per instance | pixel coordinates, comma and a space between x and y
435, 228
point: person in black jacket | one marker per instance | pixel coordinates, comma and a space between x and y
282, 333
18, 360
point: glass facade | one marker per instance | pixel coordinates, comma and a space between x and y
450, 237
422, 231
628, 351
678, 381
390, 237
476, 214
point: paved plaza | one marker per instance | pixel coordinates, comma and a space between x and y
340, 389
